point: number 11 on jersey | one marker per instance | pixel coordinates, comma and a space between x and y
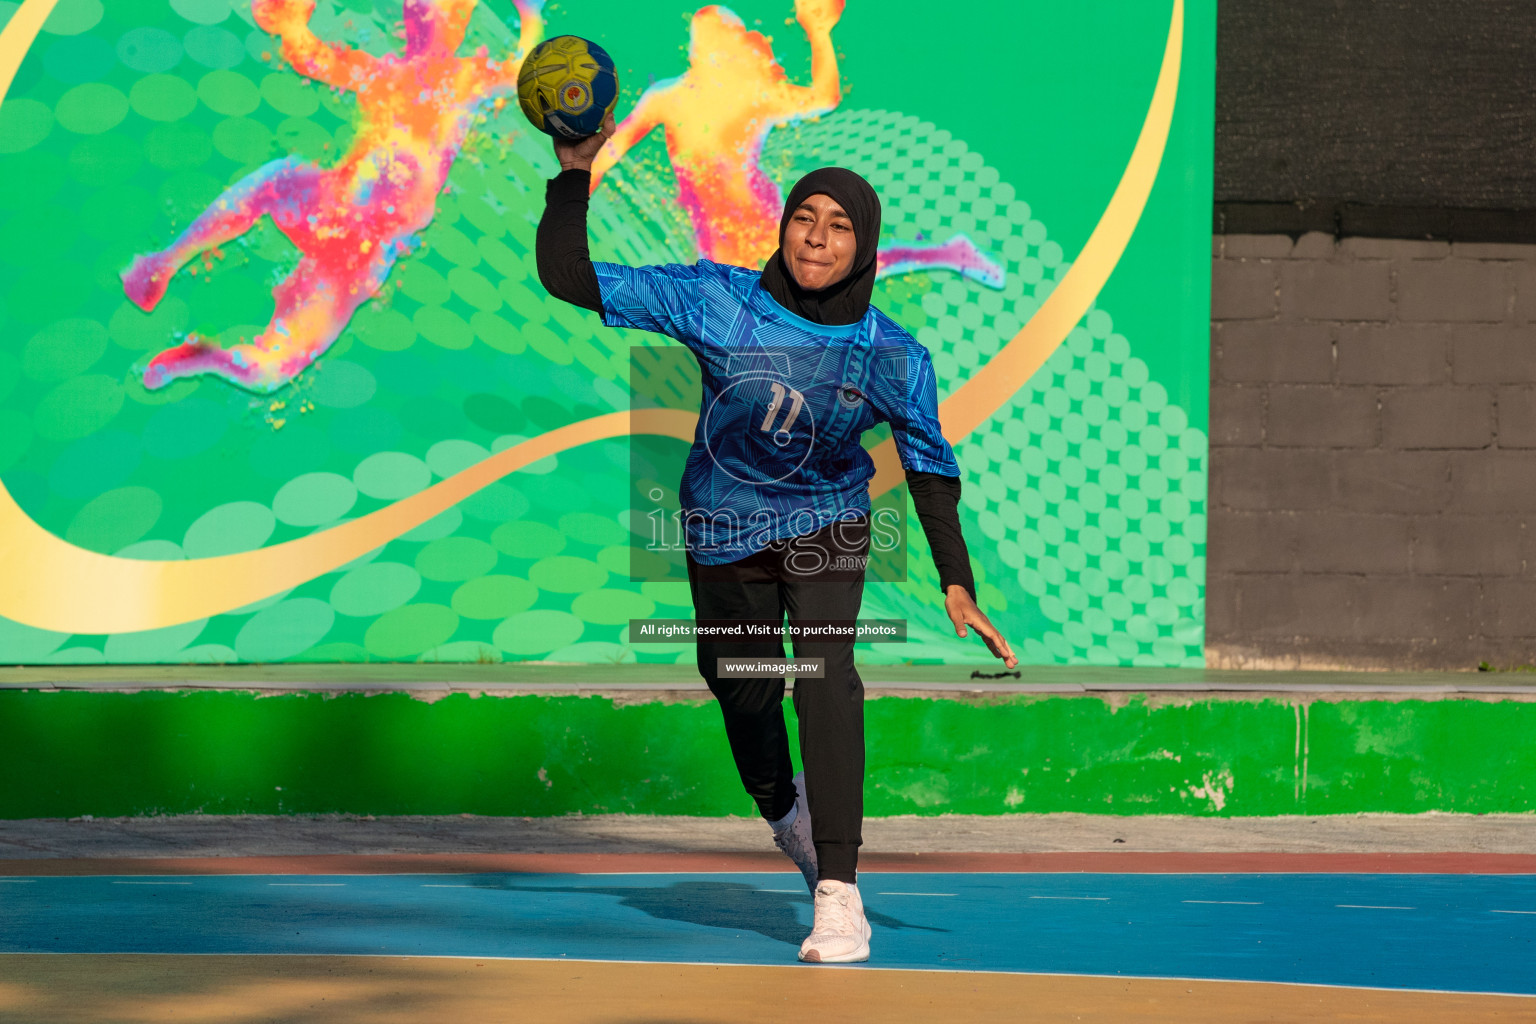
796, 401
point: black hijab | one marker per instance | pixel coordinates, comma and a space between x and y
847, 301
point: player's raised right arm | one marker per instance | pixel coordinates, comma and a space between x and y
560, 248
664, 299
330, 63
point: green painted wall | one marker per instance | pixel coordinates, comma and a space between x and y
1085, 493
71, 753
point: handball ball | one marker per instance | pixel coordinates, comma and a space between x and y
567, 85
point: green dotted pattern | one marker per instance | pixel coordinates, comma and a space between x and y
1089, 487
127, 119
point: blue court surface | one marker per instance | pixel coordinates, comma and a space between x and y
1459, 933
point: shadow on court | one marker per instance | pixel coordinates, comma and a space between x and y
729, 905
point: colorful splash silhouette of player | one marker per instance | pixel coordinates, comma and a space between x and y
716, 117
352, 221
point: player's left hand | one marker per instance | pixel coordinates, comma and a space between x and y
579, 155
963, 613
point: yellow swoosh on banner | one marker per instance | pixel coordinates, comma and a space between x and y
17, 38
49, 583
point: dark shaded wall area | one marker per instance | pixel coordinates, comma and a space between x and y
1395, 118
1373, 342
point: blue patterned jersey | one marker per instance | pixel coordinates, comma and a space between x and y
777, 450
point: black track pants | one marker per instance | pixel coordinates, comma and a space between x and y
801, 578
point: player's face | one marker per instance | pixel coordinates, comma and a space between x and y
818, 243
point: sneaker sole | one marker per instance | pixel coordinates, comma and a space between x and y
813, 956
857, 956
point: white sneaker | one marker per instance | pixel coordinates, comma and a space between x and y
841, 932
795, 840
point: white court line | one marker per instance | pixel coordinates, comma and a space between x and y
308, 885
429, 885
1367, 906
786, 890
1104, 899
1512, 911
18, 881
914, 894
151, 883
1226, 903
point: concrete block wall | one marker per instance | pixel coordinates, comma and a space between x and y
1373, 463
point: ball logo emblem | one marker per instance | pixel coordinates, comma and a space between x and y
575, 98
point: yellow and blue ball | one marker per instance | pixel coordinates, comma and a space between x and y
567, 85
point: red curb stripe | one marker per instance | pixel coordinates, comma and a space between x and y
700, 863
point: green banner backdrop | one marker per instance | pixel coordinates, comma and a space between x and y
151, 147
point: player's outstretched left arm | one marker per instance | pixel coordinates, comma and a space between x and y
329, 63
910, 402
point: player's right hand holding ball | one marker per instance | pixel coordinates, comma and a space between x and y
579, 155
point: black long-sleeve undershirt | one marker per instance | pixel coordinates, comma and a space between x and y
565, 270
937, 500
565, 263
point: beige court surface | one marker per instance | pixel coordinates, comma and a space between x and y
342, 990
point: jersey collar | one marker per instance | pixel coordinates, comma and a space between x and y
767, 305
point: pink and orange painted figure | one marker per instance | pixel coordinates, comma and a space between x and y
716, 116
351, 222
